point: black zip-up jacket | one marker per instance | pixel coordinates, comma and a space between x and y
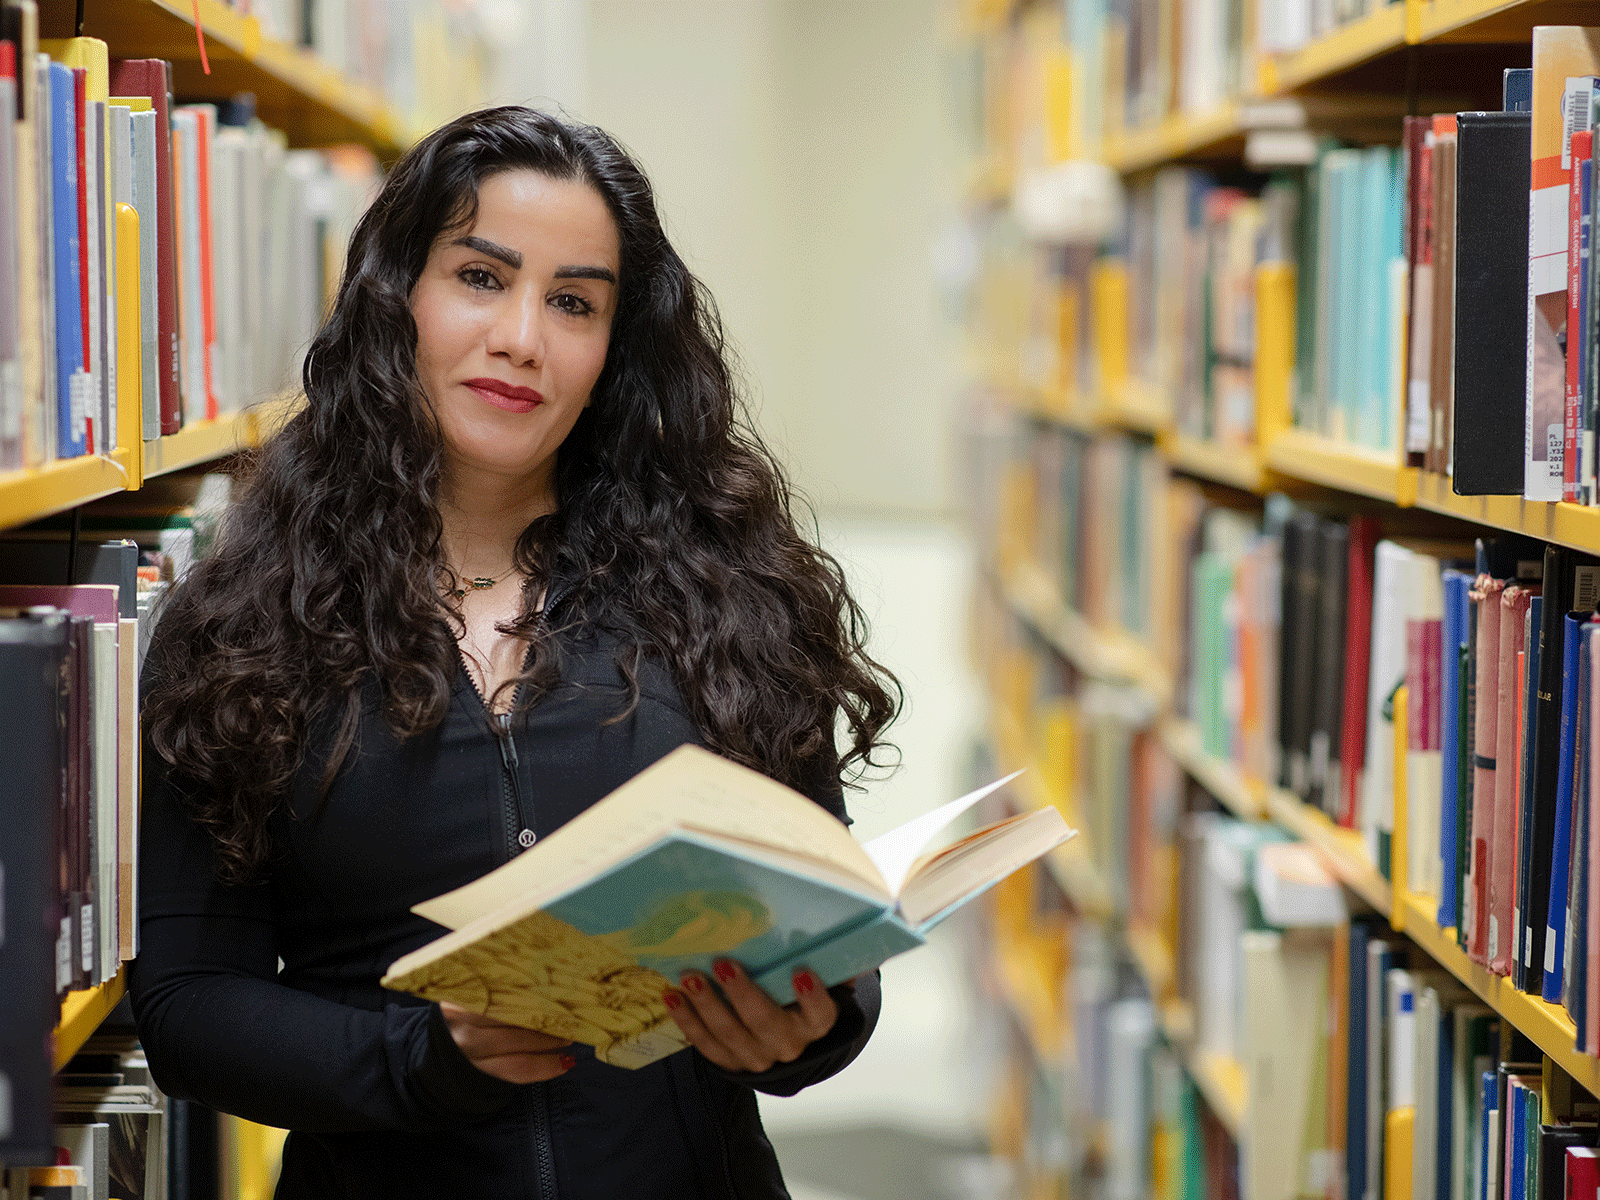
380, 1101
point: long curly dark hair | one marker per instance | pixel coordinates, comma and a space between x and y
674, 528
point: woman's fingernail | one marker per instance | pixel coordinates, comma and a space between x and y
694, 984
804, 982
568, 1061
671, 999
724, 970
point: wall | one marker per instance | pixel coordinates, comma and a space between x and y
803, 166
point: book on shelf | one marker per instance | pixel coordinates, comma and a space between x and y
695, 859
33, 650
150, 79
1489, 263
1566, 60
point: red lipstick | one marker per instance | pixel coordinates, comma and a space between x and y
505, 395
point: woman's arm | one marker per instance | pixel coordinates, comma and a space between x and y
220, 1029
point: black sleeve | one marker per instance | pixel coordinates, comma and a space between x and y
218, 1027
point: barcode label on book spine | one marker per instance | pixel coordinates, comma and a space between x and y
1575, 113
1585, 589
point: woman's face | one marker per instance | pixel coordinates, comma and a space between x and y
513, 319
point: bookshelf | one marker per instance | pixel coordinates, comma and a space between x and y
82, 1012
1379, 32
1373, 54
315, 106
294, 92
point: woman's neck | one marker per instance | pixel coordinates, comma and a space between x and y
484, 514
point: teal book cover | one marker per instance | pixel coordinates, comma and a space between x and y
697, 859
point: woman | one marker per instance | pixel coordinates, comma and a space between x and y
515, 548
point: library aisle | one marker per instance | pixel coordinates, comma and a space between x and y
906, 1121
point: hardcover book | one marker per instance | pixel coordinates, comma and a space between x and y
692, 860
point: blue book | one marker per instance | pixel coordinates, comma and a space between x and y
693, 862
1516, 90
1517, 1160
1573, 992
1561, 852
1522, 949
1453, 635
1381, 201
1488, 1127
72, 379
1347, 345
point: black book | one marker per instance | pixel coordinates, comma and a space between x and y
1300, 636
1571, 584
1491, 302
1327, 696
33, 650
45, 562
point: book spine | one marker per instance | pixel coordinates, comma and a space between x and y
1572, 473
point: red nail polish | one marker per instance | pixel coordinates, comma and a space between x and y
724, 970
671, 999
694, 984
568, 1062
804, 982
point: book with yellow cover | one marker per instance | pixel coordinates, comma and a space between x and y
692, 860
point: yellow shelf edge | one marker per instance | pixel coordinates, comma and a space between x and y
1138, 407
1546, 1025
82, 1012
35, 492
1222, 1082
1351, 44
1572, 525
1114, 657
1341, 848
1136, 149
1442, 18
1348, 468
1236, 466
1220, 778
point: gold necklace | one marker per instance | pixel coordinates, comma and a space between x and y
479, 583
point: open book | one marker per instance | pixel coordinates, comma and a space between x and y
695, 859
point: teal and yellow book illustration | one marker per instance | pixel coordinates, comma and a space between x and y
693, 860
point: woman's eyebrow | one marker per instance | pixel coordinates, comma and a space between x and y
493, 249
605, 274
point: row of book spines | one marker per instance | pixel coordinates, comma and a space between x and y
158, 290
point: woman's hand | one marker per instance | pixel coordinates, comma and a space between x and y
750, 1033
507, 1052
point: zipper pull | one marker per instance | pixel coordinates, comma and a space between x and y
508, 759
508, 745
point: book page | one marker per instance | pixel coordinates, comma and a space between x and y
894, 852
975, 863
689, 787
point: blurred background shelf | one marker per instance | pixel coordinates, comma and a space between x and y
294, 91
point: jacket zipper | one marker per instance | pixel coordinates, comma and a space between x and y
544, 1162
519, 834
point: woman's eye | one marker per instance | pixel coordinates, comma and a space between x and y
577, 306
478, 277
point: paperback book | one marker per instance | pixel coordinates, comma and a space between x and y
693, 860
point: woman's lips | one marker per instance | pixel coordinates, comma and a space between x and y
501, 395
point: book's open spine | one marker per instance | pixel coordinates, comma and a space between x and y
838, 956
